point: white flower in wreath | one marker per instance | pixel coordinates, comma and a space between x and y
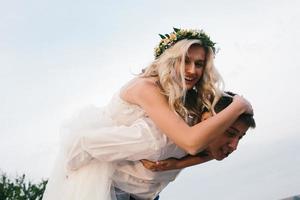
194, 34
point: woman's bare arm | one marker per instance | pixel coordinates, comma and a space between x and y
147, 94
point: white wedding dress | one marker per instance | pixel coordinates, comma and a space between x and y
95, 142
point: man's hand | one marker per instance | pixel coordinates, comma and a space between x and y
174, 163
163, 165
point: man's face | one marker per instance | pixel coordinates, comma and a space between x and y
227, 142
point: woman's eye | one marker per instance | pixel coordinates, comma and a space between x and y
199, 64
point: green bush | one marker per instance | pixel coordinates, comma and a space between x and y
20, 189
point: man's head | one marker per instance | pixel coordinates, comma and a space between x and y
227, 142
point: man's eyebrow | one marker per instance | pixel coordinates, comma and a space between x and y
237, 131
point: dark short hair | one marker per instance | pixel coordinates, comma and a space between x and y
227, 99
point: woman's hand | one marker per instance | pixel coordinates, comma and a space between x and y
163, 165
243, 103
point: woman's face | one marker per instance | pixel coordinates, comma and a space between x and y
194, 65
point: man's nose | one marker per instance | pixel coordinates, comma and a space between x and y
234, 144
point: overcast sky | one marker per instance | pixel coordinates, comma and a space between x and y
58, 56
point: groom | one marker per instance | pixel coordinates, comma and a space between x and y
165, 171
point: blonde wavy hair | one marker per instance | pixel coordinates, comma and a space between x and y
188, 104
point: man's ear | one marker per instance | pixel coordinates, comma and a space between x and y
205, 116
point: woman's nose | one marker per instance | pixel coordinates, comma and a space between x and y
190, 68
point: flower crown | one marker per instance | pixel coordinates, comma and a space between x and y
179, 34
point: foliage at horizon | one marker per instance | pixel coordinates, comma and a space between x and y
20, 189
